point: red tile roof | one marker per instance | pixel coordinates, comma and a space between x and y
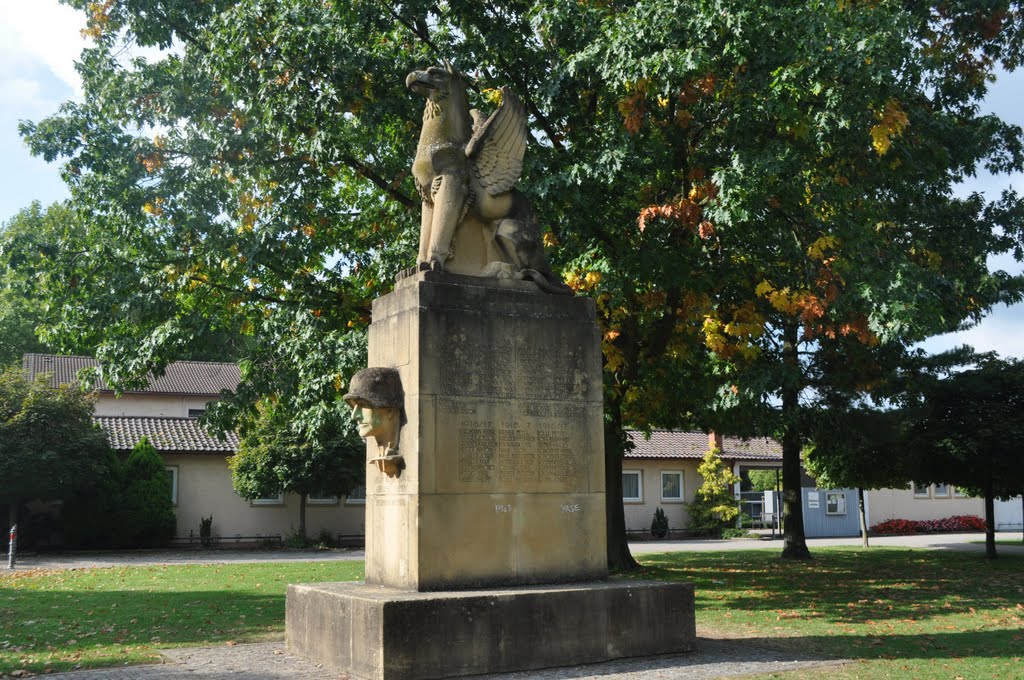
201, 378
672, 444
178, 435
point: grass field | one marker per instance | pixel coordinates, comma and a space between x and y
88, 618
897, 613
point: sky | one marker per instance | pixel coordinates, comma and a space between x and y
40, 41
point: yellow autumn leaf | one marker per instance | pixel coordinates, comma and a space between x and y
763, 288
891, 122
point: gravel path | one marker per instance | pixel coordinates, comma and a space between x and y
269, 661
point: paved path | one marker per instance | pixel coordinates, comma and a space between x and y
81, 560
269, 661
971, 542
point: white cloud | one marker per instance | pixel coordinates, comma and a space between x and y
41, 33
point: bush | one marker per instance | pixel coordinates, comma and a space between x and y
325, 540
901, 527
659, 525
91, 518
148, 512
206, 531
736, 532
714, 507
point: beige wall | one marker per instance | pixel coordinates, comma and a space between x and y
640, 514
885, 504
204, 488
148, 405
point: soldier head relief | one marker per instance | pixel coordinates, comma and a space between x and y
376, 398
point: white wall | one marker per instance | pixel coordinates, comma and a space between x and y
886, 504
148, 405
639, 514
204, 488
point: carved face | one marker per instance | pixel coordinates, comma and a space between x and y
433, 83
379, 423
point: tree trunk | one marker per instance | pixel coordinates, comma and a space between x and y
1022, 518
302, 516
794, 542
990, 522
619, 556
863, 519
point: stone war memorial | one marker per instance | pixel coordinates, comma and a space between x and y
482, 411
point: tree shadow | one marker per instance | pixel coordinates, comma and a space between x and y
845, 586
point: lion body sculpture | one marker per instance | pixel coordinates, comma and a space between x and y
473, 221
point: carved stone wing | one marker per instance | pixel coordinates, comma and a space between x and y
497, 146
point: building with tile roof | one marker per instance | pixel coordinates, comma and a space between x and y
166, 410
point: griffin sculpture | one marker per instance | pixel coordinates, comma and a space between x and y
473, 221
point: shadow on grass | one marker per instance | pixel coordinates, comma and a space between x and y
987, 644
845, 585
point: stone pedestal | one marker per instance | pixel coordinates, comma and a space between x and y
503, 445
378, 633
501, 486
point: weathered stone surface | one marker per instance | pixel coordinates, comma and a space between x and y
379, 633
503, 444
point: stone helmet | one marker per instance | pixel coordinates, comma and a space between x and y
377, 388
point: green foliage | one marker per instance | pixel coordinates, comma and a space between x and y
962, 431
49, 445
762, 480
714, 507
276, 454
965, 429
659, 525
92, 517
22, 299
859, 448
147, 514
783, 219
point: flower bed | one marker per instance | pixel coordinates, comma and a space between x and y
900, 527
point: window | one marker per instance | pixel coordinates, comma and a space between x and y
196, 412
672, 485
632, 489
321, 498
941, 491
920, 490
835, 503
172, 472
276, 499
357, 496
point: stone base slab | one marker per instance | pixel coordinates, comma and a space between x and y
379, 633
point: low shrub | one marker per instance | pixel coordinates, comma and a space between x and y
659, 525
206, 531
902, 527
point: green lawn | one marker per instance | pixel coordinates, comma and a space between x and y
59, 620
897, 613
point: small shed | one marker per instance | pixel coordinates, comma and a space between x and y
830, 512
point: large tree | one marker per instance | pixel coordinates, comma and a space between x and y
49, 445
751, 192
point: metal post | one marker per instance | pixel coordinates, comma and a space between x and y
12, 546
